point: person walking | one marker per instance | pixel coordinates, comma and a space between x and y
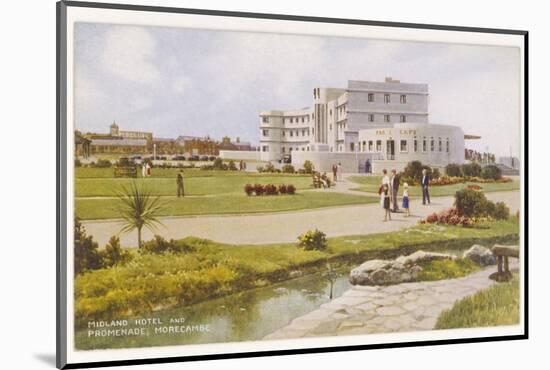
367, 166
385, 178
405, 204
394, 187
385, 201
148, 169
425, 185
143, 170
179, 182
339, 171
334, 172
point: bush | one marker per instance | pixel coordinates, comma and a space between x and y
104, 163
449, 216
313, 240
288, 168
260, 169
86, 253
271, 189
308, 167
248, 189
290, 189
113, 254
269, 167
435, 174
453, 170
471, 169
232, 166
491, 172
413, 172
217, 164
259, 189
502, 212
468, 202
282, 189
159, 245
77, 163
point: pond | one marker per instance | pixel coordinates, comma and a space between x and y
248, 315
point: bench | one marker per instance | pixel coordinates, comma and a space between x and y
502, 253
317, 183
126, 172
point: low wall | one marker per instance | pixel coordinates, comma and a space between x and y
250, 155
323, 161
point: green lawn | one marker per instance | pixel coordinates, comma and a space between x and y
495, 306
215, 269
87, 209
371, 184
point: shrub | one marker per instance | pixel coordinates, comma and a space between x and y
288, 168
77, 162
453, 170
313, 240
104, 163
113, 254
471, 169
308, 167
491, 172
502, 212
259, 189
467, 202
474, 187
86, 253
449, 216
217, 164
260, 169
207, 167
248, 189
159, 245
413, 171
290, 189
435, 174
232, 166
282, 189
269, 167
271, 189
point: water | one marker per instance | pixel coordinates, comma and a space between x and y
249, 315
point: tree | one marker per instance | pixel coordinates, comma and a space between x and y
139, 208
86, 253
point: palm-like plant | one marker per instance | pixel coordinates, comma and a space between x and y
139, 208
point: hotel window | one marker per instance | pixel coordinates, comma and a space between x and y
284, 133
440, 145
303, 120
330, 111
291, 120
386, 118
308, 148
387, 98
378, 145
447, 146
303, 149
415, 143
371, 98
265, 148
432, 144
371, 117
424, 145
403, 118
283, 149
265, 119
265, 132
364, 146
403, 99
291, 133
303, 132
352, 147
370, 145
403, 145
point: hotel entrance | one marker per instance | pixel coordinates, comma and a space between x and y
390, 149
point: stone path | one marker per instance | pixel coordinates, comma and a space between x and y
395, 308
284, 227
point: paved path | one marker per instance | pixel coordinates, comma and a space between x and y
284, 227
396, 308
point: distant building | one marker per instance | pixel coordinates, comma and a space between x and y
511, 162
82, 145
117, 141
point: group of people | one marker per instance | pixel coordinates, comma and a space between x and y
146, 169
389, 193
323, 179
337, 172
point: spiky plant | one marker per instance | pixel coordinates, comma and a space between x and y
139, 208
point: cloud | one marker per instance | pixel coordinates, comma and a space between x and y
181, 85
129, 53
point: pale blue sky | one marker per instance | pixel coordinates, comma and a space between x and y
175, 81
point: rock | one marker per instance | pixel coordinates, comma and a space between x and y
296, 274
385, 272
480, 255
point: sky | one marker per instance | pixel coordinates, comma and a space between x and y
177, 81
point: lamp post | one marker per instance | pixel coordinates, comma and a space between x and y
154, 152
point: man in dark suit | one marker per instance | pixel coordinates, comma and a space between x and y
425, 184
394, 186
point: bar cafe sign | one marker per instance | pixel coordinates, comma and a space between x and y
401, 132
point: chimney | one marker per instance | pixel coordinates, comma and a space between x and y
389, 79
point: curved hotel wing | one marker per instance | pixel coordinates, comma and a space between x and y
383, 122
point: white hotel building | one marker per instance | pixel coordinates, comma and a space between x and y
385, 122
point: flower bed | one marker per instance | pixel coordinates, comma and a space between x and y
269, 189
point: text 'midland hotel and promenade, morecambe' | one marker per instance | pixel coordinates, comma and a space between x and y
384, 122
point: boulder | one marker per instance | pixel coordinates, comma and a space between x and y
385, 272
480, 255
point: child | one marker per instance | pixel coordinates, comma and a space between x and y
406, 199
385, 199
